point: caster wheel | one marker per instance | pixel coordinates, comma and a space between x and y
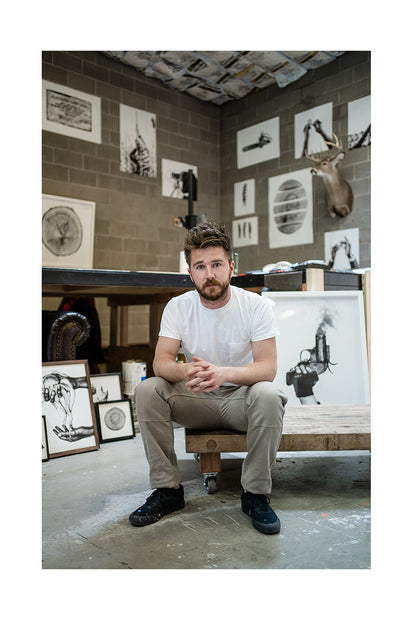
210, 484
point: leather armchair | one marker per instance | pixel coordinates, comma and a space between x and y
63, 332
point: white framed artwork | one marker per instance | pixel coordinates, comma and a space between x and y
322, 347
71, 112
245, 232
244, 197
319, 122
176, 179
359, 123
68, 226
138, 141
290, 209
68, 408
342, 249
258, 143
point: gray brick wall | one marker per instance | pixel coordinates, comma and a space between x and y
339, 82
134, 222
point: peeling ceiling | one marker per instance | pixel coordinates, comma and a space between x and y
218, 77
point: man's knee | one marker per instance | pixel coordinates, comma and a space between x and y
266, 404
148, 391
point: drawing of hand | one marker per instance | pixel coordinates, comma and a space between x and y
73, 435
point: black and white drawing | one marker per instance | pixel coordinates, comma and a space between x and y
138, 141
106, 387
71, 112
68, 227
342, 249
245, 232
244, 197
68, 407
258, 143
322, 349
359, 123
176, 179
290, 209
115, 420
312, 128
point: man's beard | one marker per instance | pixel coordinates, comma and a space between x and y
212, 296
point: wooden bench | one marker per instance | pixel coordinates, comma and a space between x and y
305, 428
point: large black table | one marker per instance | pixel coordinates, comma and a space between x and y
124, 288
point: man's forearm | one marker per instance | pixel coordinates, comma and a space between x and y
170, 369
250, 373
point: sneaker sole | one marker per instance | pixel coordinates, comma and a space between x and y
145, 520
267, 529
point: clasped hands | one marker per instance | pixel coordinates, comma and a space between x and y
202, 376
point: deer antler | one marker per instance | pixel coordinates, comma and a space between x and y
313, 157
336, 145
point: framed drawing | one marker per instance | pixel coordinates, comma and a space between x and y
115, 420
359, 123
138, 141
321, 349
68, 408
316, 123
68, 227
70, 112
290, 209
45, 445
245, 232
106, 387
258, 143
176, 179
244, 197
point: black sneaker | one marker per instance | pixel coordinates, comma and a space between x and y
263, 517
162, 501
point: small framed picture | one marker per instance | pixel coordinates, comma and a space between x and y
68, 408
115, 420
45, 445
106, 387
70, 112
68, 226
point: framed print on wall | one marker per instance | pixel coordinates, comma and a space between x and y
71, 112
290, 209
68, 228
106, 387
138, 141
68, 408
115, 420
244, 197
321, 348
258, 143
245, 232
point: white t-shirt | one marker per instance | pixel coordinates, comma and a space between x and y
222, 336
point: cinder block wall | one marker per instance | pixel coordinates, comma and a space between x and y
342, 81
134, 227
134, 222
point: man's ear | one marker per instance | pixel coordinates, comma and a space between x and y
189, 272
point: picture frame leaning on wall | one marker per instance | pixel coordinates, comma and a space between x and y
322, 347
68, 408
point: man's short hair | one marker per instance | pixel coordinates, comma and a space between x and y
207, 234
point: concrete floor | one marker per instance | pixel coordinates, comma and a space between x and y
322, 499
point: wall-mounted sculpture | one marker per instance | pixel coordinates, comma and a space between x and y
339, 195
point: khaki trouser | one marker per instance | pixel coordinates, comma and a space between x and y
256, 409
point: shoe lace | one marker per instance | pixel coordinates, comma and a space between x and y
152, 500
259, 501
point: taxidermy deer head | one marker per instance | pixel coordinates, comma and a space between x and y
339, 195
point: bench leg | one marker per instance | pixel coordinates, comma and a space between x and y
210, 466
